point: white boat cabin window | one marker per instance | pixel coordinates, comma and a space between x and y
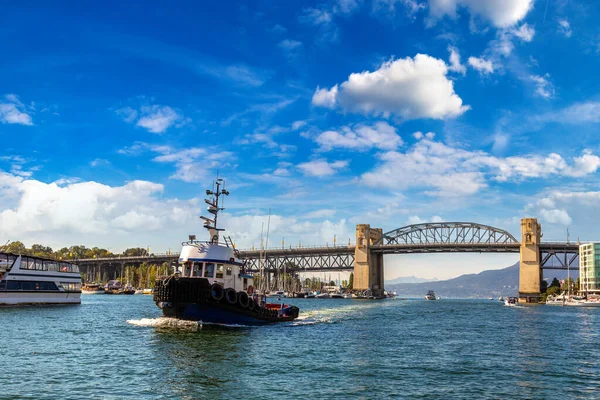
228, 270
197, 269
209, 270
187, 269
219, 274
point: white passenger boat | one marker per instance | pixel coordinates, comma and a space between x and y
33, 280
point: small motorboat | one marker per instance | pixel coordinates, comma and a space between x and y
323, 295
431, 295
511, 301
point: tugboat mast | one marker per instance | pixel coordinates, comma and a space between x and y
214, 207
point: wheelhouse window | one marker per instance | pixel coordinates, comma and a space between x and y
228, 270
197, 271
219, 274
209, 270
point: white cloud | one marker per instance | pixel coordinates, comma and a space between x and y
501, 14
455, 64
388, 7
556, 216
578, 113
12, 111
322, 19
320, 168
415, 220
98, 162
129, 114
194, 164
361, 137
544, 87
481, 65
157, 119
290, 44
524, 32
292, 48
325, 97
564, 28
346, 6
442, 170
407, 87
298, 124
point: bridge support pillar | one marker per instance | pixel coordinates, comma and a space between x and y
530, 271
368, 268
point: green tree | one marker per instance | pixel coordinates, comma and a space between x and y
135, 252
351, 281
41, 251
16, 248
552, 291
554, 283
544, 286
77, 251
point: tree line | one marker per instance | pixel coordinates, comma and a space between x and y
68, 253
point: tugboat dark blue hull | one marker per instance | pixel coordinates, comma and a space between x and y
194, 299
216, 314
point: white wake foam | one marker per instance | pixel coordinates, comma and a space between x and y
163, 322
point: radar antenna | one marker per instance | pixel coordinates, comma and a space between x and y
214, 206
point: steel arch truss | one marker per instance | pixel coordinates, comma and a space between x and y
447, 233
300, 262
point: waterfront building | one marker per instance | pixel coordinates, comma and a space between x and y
589, 268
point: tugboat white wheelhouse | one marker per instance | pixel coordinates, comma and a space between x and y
211, 283
34, 280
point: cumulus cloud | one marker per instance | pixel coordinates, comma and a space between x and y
155, 118
482, 65
361, 137
556, 216
501, 14
409, 87
12, 111
443, 170
325, 97
321, 168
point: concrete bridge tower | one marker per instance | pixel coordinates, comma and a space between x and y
530, 272
368, 268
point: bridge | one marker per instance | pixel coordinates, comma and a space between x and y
365, 258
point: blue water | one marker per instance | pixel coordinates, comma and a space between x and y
338, 349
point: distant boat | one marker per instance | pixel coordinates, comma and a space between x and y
511, 301
148, 291
430, 295
336, 295
324, 295
92, 288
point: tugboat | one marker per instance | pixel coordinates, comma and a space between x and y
211, 283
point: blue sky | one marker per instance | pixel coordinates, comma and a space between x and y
390, 112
